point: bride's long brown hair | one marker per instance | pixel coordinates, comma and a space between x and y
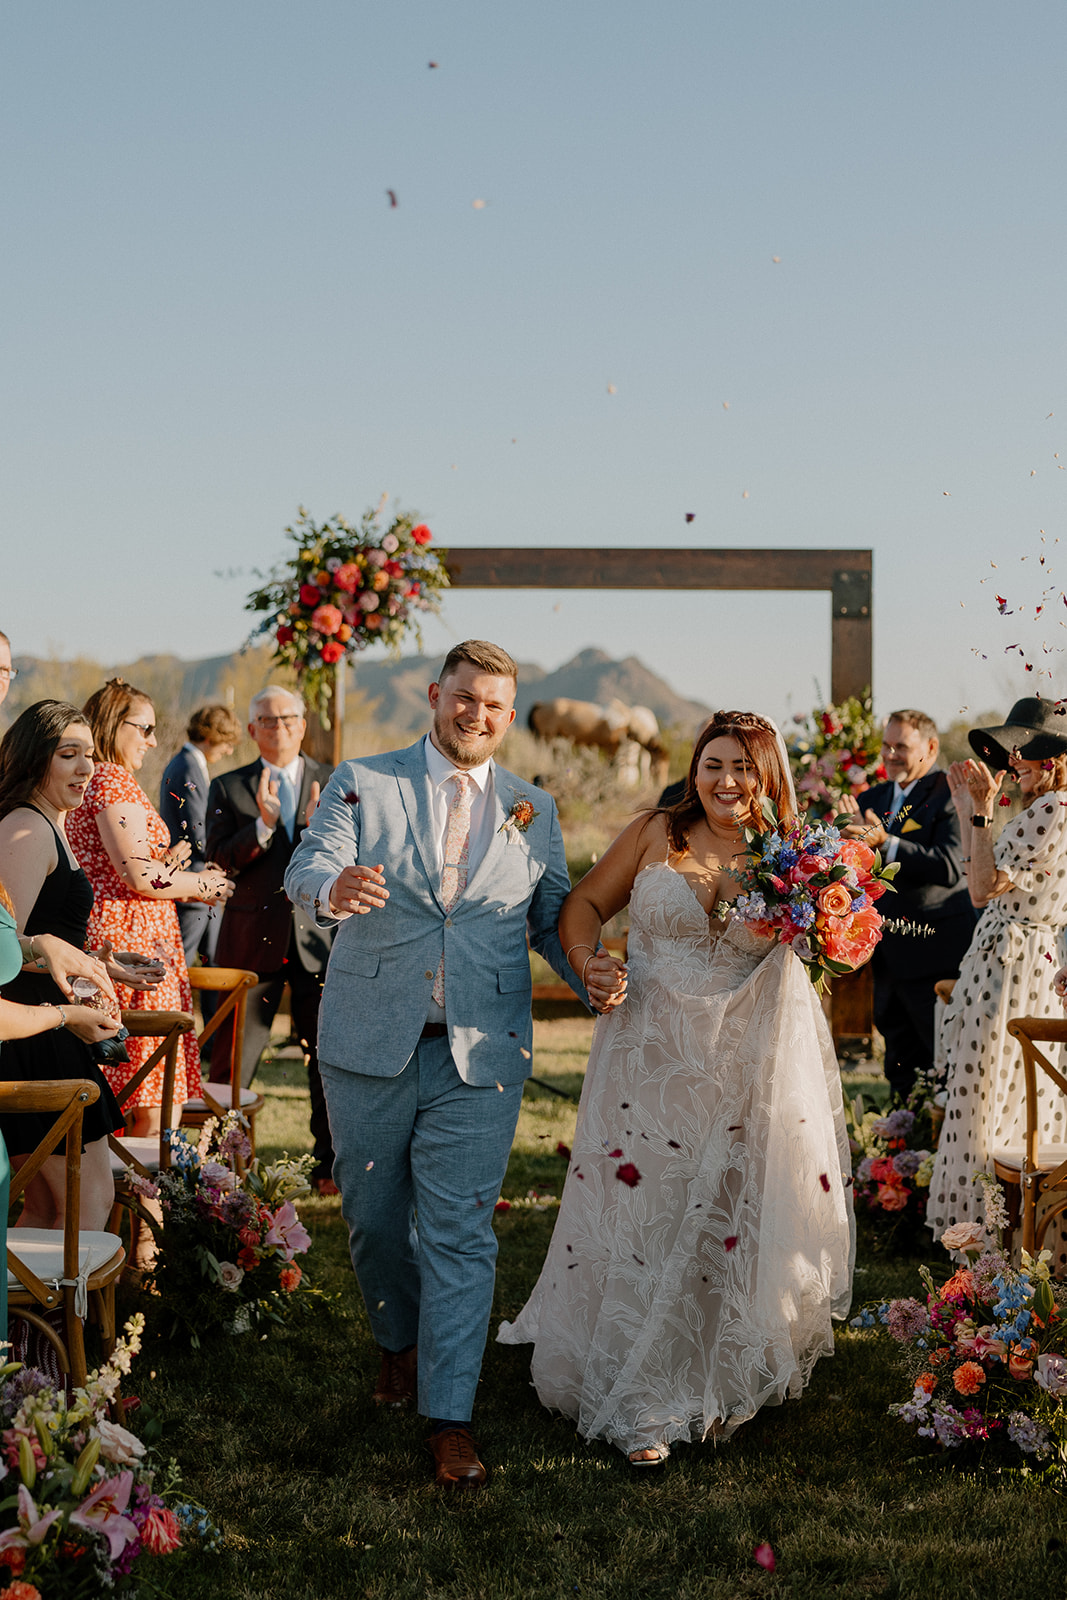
759, 744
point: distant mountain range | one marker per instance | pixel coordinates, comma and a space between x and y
397, 688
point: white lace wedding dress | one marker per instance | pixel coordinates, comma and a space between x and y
679, 1306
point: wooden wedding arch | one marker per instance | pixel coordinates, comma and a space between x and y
844, 574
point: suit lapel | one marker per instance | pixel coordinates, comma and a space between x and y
413, 781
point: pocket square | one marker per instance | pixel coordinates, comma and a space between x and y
911, 826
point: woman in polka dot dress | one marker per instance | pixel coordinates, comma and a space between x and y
1010, 968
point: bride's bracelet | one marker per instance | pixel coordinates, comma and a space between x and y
574, 947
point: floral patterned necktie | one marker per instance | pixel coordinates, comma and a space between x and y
457, 851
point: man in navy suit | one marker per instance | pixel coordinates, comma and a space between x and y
911, 819
434, 864
256, 815
212, 733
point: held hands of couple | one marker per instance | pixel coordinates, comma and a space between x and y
605, 981
270, 807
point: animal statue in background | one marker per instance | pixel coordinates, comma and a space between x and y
628, 735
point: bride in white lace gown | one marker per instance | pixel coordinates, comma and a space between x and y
674, 1306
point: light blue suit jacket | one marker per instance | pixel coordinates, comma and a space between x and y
382, 964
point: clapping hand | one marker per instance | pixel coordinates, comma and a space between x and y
134, 970
312, 805
973, 788
270, 807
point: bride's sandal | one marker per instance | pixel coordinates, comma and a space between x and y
654, 1456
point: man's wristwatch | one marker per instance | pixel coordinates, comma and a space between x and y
978, 821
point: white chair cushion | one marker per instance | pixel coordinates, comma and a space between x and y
1049, 1156
224, 1098
41, 1249
146, 1150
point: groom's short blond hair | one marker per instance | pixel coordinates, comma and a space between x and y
480, 653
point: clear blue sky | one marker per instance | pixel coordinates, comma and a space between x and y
214, 315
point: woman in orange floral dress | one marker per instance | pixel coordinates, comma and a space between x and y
124, 846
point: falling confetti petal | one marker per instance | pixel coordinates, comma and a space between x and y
763, 1556
612, 389
368, 1166
824, 1180
628, 1174
351, 798
690, 516
477, 205
393, 201
730, 1243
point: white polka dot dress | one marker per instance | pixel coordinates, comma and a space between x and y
1007, 972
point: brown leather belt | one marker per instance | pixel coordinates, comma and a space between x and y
434, 1030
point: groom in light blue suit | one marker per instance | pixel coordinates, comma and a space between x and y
423, 1097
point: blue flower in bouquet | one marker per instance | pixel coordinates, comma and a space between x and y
751, 905
788, 857
802, 913
1030, 1437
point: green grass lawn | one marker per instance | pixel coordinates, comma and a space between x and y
320, 1496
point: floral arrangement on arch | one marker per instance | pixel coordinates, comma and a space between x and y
893, 1160
230, 1233
986, 1351
835, 751
84, 1500
813, 890
345, 588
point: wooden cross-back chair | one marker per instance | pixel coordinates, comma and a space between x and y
68, 1267
233, 984
1036, 1175
147, 1154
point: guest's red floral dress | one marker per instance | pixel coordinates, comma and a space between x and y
136, 922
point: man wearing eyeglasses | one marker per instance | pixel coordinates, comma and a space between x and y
255, 816
7, 671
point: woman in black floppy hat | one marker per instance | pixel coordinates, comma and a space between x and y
1020, 885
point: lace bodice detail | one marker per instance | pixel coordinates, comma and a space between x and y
673, 940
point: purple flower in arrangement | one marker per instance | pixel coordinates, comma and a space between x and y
906, 1319
897, 1125
908, 1162
1028, 1435
863, 1171
860, 901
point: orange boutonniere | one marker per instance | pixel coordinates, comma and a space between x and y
519, 817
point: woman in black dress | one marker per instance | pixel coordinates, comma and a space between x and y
46, 761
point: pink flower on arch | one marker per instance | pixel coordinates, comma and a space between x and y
327, 619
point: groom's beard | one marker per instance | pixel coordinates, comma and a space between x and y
464, 750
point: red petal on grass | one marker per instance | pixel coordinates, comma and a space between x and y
563, 1150
824, 1180
763, 1556
502, 1205
628, 1174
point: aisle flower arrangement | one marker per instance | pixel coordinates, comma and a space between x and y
893, 1159
836, 751
345, 588
230, 1234
807, 886
84, 1499
986, 1351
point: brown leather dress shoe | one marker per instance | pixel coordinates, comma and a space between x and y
456, 1464
397, 1378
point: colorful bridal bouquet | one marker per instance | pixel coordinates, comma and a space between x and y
230, 1233
836, 751
986, 1352
813, 890
893, 1158
82, 1498
345, 588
